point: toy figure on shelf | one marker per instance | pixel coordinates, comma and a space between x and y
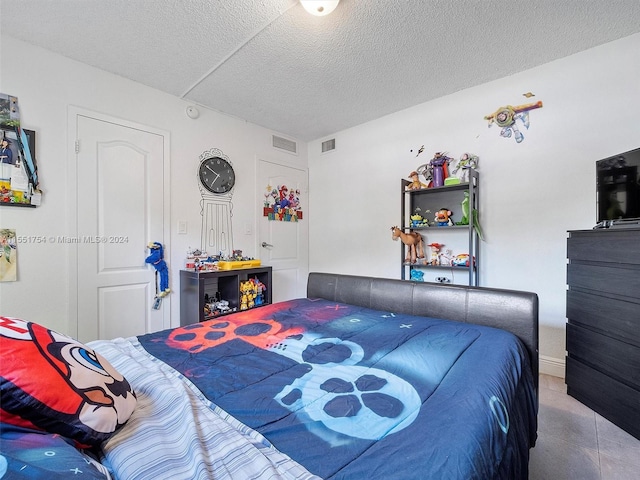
413, 241
245, 294
415, 184
443, 217
435, 250
259, 289
417, 275
467, 161
445, 257
417, 220
462, 260
439, 164
436, 171
465, 216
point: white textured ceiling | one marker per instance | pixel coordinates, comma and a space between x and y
273, 64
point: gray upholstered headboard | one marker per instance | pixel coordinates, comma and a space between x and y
511, 310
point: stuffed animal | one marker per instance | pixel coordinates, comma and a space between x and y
156, 258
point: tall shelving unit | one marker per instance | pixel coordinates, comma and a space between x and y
431, 200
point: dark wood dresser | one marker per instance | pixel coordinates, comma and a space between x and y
603, 328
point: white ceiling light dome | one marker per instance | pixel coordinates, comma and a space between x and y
319, 7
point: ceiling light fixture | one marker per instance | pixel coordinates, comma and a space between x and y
319, 7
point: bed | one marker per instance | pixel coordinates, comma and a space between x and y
364, 378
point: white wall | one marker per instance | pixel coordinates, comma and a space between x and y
46, 84
531, 193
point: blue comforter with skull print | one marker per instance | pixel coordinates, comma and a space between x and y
353, 393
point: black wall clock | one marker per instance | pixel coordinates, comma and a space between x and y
216, 175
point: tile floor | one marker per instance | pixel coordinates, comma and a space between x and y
575, 443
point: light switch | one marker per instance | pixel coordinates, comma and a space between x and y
182, 227
248, 230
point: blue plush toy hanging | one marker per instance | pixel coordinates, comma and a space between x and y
156, 258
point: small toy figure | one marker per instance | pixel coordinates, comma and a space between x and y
465, 216
443, 217
435, 250
462, 260
445, 257
259, 289
439, 164
418, 221
413, 241
436, 171
156, 258
415, 184
244, 295
417, 275
223, 306
248, 292
467, 161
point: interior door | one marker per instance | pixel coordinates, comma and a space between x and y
284, 244
120, 194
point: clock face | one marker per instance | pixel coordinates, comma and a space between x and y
216, 175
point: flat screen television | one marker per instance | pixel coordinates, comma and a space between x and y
618, 188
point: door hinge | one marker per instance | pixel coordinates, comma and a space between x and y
77, 146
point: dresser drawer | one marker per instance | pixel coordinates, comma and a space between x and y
605, 279
613, 400
614, 317
610, 245
612, 357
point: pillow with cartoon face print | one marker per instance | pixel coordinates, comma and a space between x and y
51, 382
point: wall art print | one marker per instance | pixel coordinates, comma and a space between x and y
8, 255
509, 116
18, 171
282, 204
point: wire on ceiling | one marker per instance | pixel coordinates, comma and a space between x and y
237, 49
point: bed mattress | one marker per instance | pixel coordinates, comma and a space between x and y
317, 388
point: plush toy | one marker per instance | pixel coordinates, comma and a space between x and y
156, 258
413, 241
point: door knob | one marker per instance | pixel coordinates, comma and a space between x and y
265, 245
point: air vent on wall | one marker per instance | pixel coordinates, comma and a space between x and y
285, 144
328, 145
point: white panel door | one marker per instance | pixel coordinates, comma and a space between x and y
285, 245
120, 178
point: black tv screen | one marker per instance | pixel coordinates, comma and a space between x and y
618, 187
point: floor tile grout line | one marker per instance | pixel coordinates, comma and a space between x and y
595, 420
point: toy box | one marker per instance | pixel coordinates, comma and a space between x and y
234, 264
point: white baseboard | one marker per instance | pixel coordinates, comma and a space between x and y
552, 366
